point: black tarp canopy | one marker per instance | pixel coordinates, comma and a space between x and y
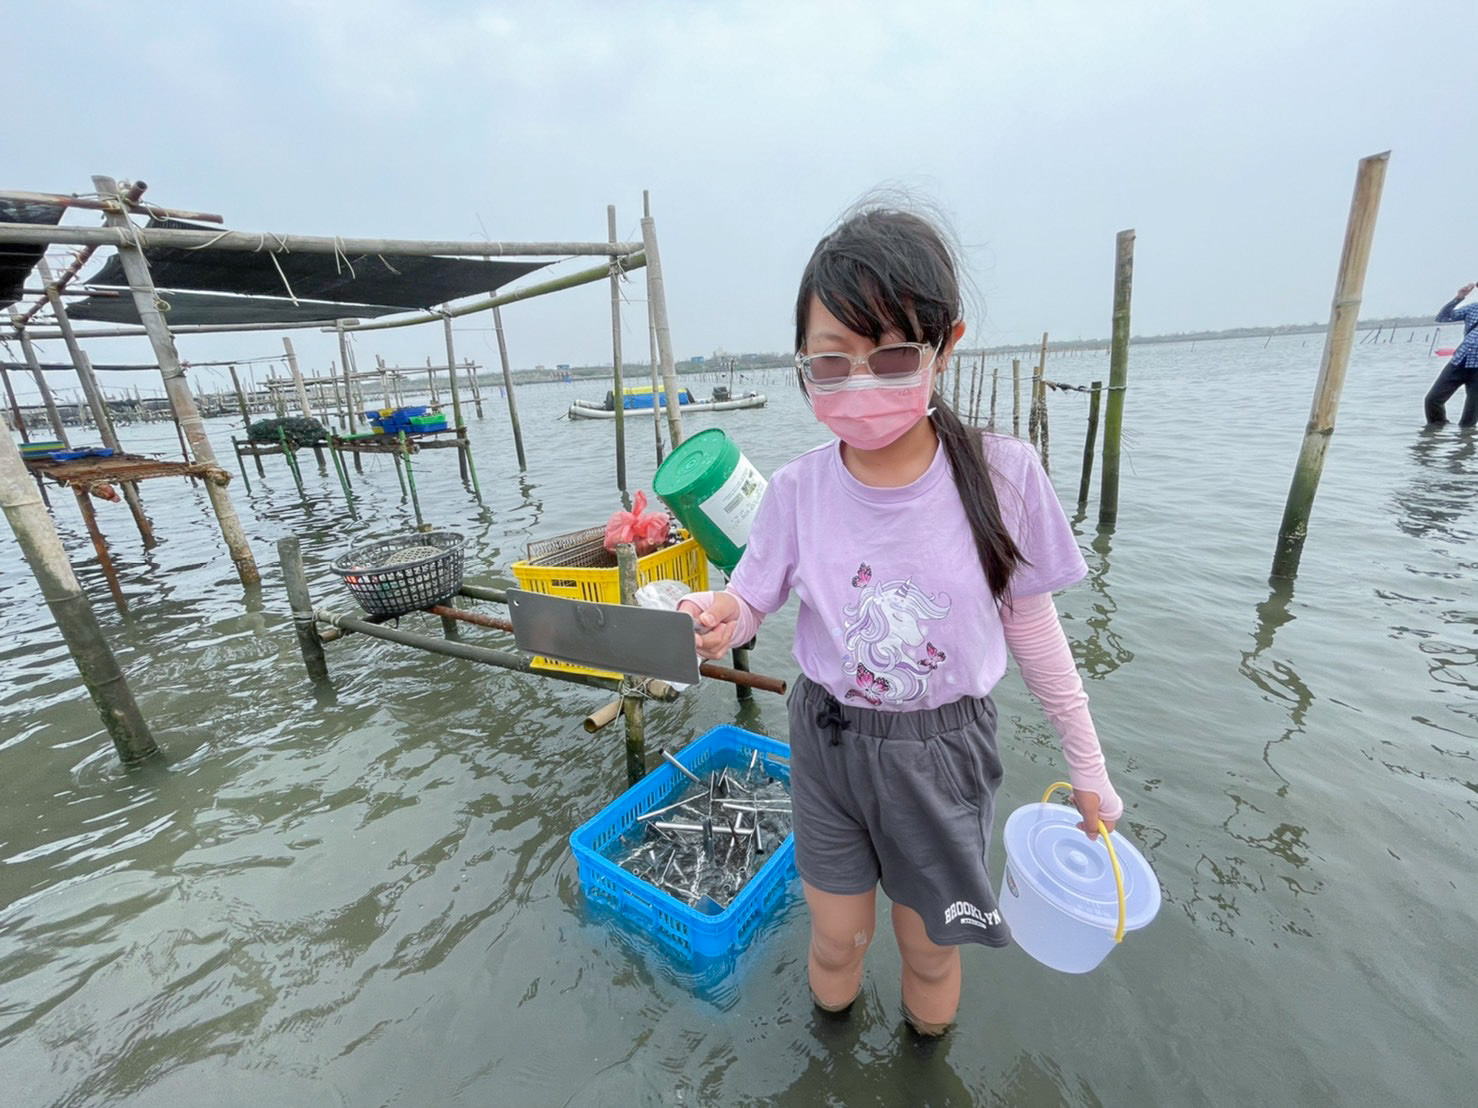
400, 281
219, 308
18, 259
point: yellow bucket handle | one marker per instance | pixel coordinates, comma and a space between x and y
1113, 856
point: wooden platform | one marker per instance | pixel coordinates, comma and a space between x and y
389, 443
85, 473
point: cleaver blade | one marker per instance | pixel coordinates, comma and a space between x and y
644, 642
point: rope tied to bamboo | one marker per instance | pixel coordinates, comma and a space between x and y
635, 687
1061, 387
339, 256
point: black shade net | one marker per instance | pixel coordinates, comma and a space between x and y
18, 259
220, 309
403, 281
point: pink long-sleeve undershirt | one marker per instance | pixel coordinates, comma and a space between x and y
1035, 638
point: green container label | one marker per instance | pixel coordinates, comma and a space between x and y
714, 491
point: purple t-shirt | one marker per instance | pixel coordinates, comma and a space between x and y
895, 610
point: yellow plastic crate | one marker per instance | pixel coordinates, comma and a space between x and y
683, 561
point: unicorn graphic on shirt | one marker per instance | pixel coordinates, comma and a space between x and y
889, 655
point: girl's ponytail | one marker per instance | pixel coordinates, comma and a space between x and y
999, 555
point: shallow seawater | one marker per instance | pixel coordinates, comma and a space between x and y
366, 895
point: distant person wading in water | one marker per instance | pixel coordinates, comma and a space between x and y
921, 551
1462, 370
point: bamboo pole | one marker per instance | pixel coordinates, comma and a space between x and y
1113, 418
302, 390
269, 241
620, 393
508, 388
656, 384
300, 602
298, 386
631, 705
451, 374
240, 403
198, 328
1344, 313
995, 380
955, 402
17, 420
42, 548
187, 417
349, 416
384, 380
657, 297
528, 292
475, 385
100, 546
95, 399
34, 364
1016, 397
1089, 442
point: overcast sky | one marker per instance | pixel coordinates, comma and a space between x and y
1227, 135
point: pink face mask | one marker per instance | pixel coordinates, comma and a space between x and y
868, 415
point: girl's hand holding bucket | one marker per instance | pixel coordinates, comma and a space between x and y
1087, 806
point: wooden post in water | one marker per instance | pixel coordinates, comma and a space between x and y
1113, 420
995, 379
451, 373
1089, 443
1016, 397
57, 427
631, 706
42, 548
620, 393
508, 388
295, 581
657, 297
187, 416
979, 393
1034, 412
1348, 290
955, 402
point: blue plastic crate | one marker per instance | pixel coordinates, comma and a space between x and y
686, 931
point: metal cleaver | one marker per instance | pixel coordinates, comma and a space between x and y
645, 642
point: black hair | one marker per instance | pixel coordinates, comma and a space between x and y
884, 269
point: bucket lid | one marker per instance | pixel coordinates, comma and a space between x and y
700, 461
1073, 873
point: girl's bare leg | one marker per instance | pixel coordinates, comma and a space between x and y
841, 929
931, 974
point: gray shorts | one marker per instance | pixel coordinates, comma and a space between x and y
905, 798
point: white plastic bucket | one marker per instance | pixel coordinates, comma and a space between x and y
1059, 893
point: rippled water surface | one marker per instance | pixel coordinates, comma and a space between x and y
366, 895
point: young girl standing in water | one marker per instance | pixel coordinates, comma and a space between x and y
921, 551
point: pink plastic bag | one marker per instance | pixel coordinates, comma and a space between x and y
648, 532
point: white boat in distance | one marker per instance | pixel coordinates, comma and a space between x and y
638, 400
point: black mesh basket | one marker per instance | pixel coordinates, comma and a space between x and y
400, 575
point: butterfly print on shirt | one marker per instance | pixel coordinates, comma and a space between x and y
870, 687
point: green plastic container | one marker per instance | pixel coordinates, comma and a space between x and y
714, 491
